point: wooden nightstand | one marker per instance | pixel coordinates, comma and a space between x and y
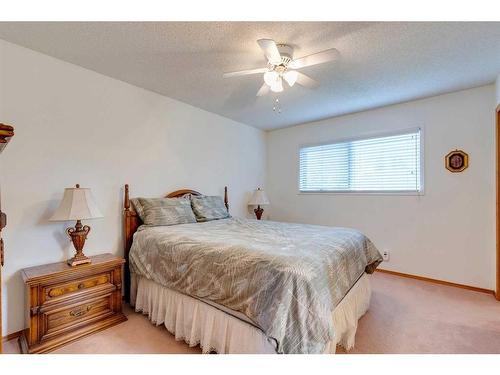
65, 303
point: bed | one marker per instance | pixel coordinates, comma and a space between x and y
246, 286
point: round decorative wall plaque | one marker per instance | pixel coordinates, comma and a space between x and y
456, 161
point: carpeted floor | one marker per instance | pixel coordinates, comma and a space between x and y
406, 316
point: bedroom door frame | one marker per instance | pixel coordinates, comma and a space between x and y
497, 130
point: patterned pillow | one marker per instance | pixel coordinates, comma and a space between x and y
164, 211
208, 208
137, 207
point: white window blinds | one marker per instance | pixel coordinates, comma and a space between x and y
384, 164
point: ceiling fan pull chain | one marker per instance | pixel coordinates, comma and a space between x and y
277, 106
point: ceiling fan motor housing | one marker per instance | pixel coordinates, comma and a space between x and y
286, 53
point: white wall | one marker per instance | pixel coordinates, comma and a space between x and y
447, 234
76, 126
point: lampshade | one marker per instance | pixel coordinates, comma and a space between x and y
271, 77
77, 204
290, 77
277, 86
259, 198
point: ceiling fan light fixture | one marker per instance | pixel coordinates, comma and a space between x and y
271, 77
277, 86
290, 77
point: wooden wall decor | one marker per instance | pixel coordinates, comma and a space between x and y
456, 161
6, 133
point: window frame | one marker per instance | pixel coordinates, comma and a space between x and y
367, 136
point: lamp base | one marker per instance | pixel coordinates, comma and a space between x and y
78, 235
258, 212
76, 261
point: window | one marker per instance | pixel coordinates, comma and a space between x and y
381, 164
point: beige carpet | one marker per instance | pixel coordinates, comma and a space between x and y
406, 316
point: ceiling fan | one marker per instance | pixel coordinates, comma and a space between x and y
282, 66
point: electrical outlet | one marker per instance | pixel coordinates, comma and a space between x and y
385, 255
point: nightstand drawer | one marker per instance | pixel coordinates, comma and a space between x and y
57, 292
55, 321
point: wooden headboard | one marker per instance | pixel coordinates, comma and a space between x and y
132, 221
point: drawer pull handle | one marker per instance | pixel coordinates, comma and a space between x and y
56, 292
80, 312
81, 286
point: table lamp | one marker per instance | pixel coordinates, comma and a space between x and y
259, 198
77, 204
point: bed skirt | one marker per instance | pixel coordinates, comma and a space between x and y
197, 322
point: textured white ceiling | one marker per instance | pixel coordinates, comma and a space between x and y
381, 63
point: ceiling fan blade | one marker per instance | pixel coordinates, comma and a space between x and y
245, 72
315, 59
264, 89
306, 81
270, 50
